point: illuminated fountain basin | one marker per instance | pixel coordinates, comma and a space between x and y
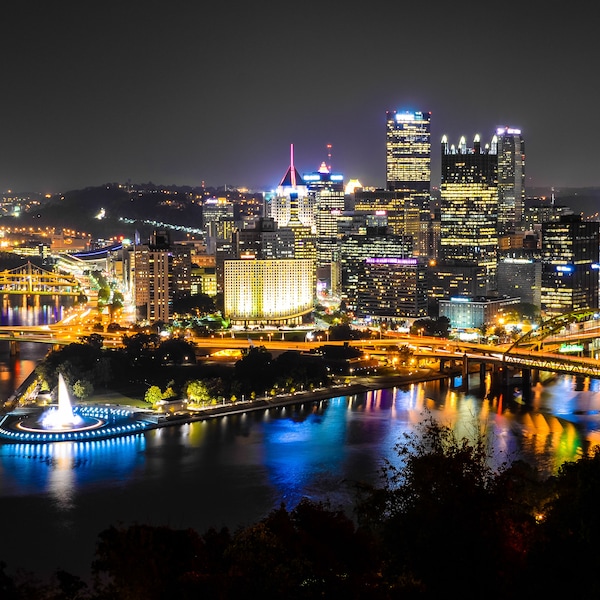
66, 422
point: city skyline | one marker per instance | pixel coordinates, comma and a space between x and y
216, 94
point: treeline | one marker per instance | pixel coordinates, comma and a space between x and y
148, 361
441, 523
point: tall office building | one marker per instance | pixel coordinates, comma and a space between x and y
399, 211
511, 178
162, 273
569, 265
408, 164
291, 202
381, 280
468, 207
327, 190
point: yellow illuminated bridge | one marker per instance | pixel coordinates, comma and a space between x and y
32, 280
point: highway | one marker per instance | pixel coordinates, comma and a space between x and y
67, 332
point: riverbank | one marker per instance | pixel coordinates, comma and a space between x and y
353, 385
350, 385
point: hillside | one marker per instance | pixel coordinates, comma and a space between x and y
123, 212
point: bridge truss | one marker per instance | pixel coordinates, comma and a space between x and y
537, 348
33, 280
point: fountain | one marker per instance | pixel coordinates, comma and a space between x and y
65, 422
61, 418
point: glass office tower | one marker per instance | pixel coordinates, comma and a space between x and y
469, 200
570, 258
408, 163
511, 178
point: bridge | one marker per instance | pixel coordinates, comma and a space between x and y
29, 279
568, 344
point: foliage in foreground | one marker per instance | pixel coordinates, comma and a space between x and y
442, 523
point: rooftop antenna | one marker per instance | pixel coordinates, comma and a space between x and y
552, 197
329, 157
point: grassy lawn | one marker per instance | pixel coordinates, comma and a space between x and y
116, 398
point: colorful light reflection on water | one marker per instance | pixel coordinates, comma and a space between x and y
39, 310
232, 471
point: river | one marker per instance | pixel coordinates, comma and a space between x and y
231, 471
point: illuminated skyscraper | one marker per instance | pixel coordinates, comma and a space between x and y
399, 210
291, 202
381, 279
569, 265
511, 178
408, 163
468, 207
327, 190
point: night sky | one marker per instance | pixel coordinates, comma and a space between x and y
181, 93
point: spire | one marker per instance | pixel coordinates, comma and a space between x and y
292, 177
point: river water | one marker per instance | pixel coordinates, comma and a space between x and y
231, 471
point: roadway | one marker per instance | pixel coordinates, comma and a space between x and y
73, 328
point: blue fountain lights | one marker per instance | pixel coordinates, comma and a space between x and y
104, 423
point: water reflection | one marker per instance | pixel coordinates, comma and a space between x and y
60, 470
346, 440
32, 310
232, 471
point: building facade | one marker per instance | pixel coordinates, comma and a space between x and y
475, 313
511, 178
570, 248
380, 277
161, 274
268, 291
468, 207
408, 164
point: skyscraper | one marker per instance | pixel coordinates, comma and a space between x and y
569, 263
291, 203
511, 178
468, 207
408, 163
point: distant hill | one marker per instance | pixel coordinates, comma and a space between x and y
585, 201
122, 211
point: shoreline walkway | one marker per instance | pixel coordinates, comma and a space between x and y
357, 386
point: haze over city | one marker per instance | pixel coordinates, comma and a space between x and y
183, 94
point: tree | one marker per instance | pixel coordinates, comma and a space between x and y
341, 332
153, 395
176, 351
197, 391
442, 495
82, 389
95, 340
435, 327
148, 562
253, 369
198, 303
103, 296
405, 353
117, 300
570, 526
311, 552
